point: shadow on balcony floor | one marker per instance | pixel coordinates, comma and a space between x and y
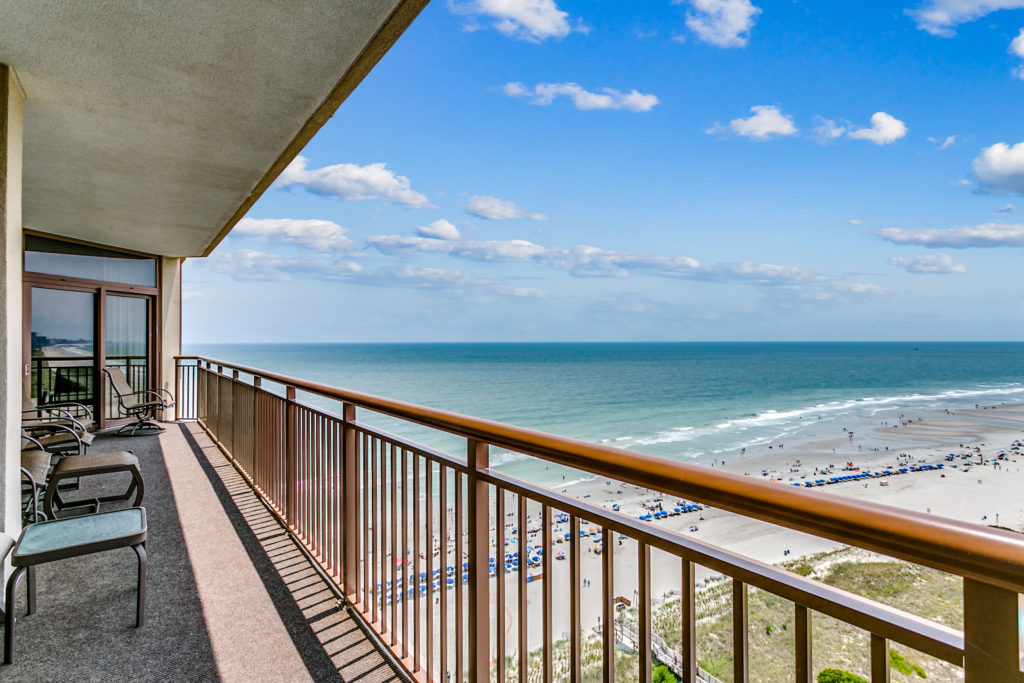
229, 596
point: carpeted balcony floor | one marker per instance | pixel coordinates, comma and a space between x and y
229, 596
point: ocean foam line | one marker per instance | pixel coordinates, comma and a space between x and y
774, 417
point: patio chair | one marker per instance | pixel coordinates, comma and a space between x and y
34, 414
142, 405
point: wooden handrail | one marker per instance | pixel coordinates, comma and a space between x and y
991, 556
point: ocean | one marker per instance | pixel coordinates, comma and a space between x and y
694, 402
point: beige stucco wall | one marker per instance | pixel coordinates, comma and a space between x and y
11, 126
170, 322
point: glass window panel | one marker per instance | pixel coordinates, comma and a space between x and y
62, 345
53, 257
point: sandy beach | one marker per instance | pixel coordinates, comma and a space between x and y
974, 486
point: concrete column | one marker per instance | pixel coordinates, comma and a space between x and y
170, 322
12, 99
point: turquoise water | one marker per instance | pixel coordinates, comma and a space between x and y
689, 401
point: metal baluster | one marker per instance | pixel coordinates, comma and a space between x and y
608, 606
545, 586
522, 648
499, 560
443, 491
407, 570
417, 600
575, 670
460, 585
394, 543
365, 543
378, 594
350, 484
430, 567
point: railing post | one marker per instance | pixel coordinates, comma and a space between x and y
289, 456
804, 664
740, 672
688, 615
349, 488
880, 659
479, 582
991, 638
177, 389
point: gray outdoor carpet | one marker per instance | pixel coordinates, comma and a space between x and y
84, 629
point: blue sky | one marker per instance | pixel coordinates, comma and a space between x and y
520, 170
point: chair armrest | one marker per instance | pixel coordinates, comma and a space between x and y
72, 404
57, 427
33, 440
48, 422
46, 413
159, 395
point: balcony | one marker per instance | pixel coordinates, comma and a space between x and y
230, 596
354, 495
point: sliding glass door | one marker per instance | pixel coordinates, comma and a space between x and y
126, 342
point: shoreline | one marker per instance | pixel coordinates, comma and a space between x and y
921, 438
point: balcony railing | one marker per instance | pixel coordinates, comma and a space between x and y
369, 504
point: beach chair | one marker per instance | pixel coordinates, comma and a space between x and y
142, 405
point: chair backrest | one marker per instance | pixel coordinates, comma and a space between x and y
125, 394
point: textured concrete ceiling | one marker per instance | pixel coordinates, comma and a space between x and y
149, 125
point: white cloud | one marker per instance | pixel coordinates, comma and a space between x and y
725, 23
524, 292
944, 144
827, 130
941, 17
248, 264
353, 182
1000, 169
607, 98
316, 234
766, 122
932, 264
439, 229
192, 295
855, 221
485, 250
595, 262
1006, 208
884, 129
588, 261
1017, 48
960, 237
530, 20
492, 208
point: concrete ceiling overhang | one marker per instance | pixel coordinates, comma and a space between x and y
154, 126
